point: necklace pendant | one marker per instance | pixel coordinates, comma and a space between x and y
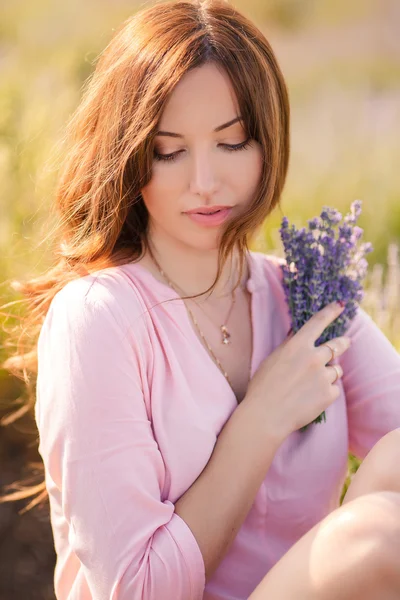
226, 336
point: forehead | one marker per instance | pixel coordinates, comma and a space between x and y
202, 100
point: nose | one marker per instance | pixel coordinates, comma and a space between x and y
203, 176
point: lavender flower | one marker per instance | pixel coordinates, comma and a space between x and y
321, 269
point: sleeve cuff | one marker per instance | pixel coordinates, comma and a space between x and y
191, 553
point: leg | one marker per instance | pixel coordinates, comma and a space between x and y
351, 554
379, 470
346, 555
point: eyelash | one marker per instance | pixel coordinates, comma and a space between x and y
228, 148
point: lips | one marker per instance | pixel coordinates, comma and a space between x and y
210, 219
208, 210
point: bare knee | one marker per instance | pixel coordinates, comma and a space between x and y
367, 534
350, 554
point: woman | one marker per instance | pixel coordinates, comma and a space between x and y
169, 396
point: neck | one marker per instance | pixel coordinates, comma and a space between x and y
192, 270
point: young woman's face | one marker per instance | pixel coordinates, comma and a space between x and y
201, 167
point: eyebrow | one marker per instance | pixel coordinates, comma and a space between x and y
219, 128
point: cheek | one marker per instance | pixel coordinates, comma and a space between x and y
164, 183
166, 178
247, 175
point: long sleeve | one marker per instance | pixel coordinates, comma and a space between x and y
100, 455
371, 380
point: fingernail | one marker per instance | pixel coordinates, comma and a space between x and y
290, 331
341, 303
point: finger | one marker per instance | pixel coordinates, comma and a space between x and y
317, 324
336, 372
339, 345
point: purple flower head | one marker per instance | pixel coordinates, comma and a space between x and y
322, 267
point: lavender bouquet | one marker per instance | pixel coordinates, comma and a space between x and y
321, 268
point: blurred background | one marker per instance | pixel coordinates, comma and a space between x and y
341, 61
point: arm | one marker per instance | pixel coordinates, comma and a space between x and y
218, 502
371, 381
103, 465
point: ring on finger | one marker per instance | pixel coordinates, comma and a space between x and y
338, 373
333, 350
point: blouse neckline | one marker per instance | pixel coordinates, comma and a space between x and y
254, 282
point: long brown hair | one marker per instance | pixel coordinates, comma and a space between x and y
107, 155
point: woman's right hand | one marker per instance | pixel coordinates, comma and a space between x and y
294, 385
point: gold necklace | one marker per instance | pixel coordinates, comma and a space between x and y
226, 335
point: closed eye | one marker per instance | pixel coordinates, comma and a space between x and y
227, 148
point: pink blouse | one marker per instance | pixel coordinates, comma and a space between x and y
129, 408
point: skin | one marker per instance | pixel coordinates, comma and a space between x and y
352, 553
204, 173
355, 551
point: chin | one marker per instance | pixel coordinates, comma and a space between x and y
204, 240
